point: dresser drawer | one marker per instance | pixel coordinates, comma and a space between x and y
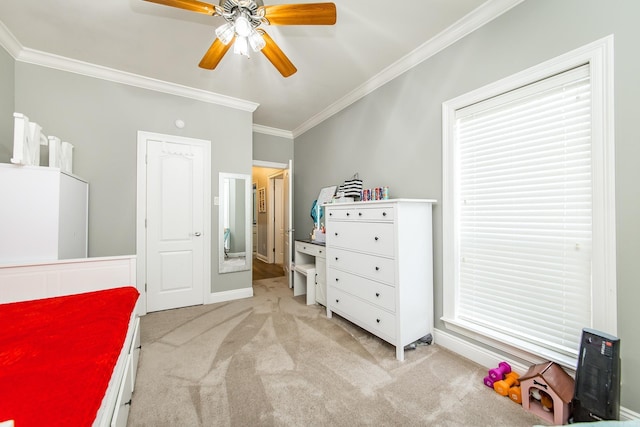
342, 214
373, 238
370, 317
363, 213
311, 249
374, 292
371, 266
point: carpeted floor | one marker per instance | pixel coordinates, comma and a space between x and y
271, 360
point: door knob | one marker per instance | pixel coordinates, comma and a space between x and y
197, 234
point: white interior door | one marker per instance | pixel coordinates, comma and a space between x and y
288, 221
278, 225
175, 224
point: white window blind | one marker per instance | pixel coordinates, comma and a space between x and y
524, 228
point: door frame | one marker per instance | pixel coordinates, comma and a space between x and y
283, 166
141, 212
271, 214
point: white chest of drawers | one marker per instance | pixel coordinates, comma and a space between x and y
380, 267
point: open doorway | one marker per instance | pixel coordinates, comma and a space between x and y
269, 222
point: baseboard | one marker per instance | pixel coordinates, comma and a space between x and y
628, 414
262, 258
490, 359
230, 295
475, 353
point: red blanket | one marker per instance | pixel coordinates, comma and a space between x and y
57, 355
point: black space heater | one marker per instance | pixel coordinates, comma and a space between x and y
597, 385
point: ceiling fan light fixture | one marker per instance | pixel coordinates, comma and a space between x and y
226, 32
243, 26
243, 20
241, 47
256, 41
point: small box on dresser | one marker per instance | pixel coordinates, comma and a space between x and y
380, 267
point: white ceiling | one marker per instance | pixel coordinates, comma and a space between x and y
372, 42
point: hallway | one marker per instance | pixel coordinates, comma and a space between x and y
262, 270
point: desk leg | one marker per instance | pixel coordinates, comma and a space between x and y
299, 283
311, 286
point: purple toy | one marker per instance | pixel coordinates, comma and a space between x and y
498, 373
488, 382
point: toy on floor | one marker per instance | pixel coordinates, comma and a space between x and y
488, 381
502, 387
497, 374
515, 394
543, 398
504, 382
547, 391
546, 401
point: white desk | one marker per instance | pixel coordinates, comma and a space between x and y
309, 272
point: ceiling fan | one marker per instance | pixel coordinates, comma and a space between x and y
244, 17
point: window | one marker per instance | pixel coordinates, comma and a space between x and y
528, 208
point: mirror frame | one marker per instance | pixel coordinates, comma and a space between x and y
222, 268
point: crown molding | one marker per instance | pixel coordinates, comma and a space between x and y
31, 56
272, 131
91, 70
471, 22
9, 42
466, 25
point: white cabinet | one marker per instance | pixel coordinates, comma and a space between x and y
43, 214
310, 271
380, 267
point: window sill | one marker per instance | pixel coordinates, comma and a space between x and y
521, 349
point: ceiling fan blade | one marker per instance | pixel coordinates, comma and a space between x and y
192, 5
301, 14
277, 56
212, 58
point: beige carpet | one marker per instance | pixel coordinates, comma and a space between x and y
271, 360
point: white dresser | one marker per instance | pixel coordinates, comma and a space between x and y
43, 214
380, 267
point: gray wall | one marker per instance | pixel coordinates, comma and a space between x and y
269, 148
7, 83
101, 119
393, 136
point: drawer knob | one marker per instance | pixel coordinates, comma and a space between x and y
335, 234
384, 214
337, 279
376, 238
337, 300
359, 213
330, 213
348, 214
377, 268
336, 258
378, 294
378, 320
320, 251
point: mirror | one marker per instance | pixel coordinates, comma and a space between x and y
234, 246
